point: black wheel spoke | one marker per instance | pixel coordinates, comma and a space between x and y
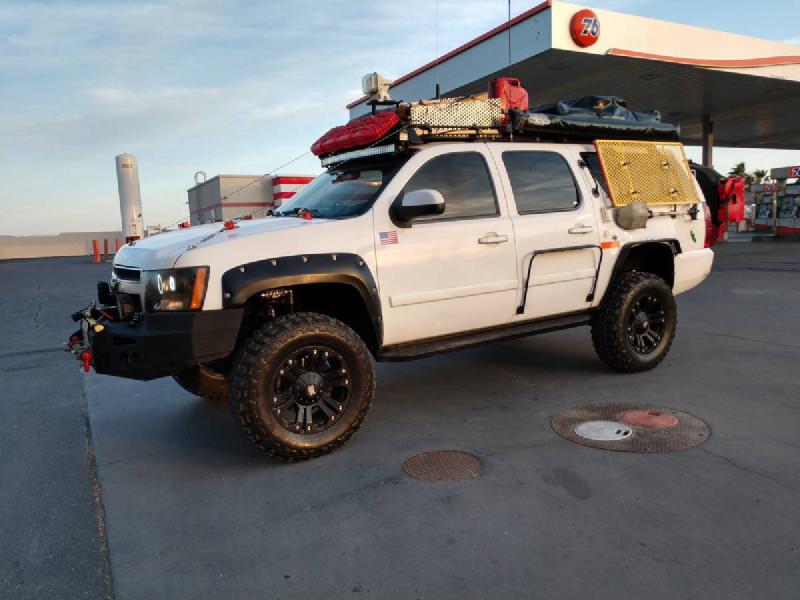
304, 415
318, 360
312, 382
326, 409
335, 379
293, 369
646, 324
280, 399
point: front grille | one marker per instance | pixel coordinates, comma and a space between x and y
127, 273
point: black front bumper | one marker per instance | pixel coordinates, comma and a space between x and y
162, 344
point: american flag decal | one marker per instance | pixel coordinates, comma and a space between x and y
387, 237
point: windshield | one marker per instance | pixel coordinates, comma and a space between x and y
343, 192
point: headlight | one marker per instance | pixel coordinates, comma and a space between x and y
175, 289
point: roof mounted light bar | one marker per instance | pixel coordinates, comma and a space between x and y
363, 153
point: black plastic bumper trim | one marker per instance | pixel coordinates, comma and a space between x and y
162, 344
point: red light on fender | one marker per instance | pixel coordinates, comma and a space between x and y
584, 27
229, 224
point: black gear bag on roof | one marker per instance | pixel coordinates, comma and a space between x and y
592, 117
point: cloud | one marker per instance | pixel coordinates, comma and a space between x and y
621, 5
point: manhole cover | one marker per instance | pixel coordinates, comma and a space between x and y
582, 425
442, 465
603, 431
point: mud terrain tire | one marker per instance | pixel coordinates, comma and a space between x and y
301, 385
634, 328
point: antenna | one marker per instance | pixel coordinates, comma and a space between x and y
509, 38
436, 44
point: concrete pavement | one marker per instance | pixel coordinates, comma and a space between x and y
192, 511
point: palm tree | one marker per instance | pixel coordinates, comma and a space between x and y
740, 170
759, 175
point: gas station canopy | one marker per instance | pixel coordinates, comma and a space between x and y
722, 88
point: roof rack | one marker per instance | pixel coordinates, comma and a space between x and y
502, 114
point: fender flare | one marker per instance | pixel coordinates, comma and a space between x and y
241, 283
626, 249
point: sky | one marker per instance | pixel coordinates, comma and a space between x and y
233, 87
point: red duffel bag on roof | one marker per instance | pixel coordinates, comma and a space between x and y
359, 132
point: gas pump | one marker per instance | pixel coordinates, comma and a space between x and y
785, 205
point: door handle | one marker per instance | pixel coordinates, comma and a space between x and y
580, 229
493, 238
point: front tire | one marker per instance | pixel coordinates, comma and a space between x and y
634, 329
302, 385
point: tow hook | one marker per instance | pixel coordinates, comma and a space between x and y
86, 359
79, 343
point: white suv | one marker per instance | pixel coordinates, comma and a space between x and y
442, 246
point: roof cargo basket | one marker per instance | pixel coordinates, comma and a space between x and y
502, 114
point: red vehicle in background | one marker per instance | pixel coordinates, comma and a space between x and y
724, 201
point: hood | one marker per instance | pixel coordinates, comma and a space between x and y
163, 250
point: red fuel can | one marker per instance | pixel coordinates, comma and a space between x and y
510, 92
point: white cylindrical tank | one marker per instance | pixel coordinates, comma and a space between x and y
130, 197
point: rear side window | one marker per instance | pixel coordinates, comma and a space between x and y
464, 182
541, 182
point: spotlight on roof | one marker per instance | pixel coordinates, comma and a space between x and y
376, 84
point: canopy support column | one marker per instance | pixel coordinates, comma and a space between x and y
708, 141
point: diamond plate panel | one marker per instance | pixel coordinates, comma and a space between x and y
655, 173
458, 113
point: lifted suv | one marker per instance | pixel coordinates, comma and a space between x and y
425, 249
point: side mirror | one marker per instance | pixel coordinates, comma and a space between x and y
418, 203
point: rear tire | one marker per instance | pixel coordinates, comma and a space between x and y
634, 328
302, 385
205, 382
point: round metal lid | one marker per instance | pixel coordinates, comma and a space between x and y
649, 418
442, 465
577, 425
603, 431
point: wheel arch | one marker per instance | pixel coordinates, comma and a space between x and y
652, 256
339, 285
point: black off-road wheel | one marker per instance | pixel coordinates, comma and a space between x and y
204, 381
301, 385
634, 329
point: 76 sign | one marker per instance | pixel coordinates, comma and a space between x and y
794, 172
584, 27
